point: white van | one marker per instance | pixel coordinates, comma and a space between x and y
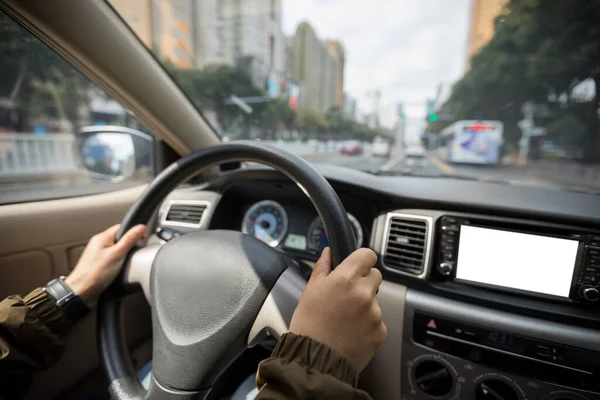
380, 147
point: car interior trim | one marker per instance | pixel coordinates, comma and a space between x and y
203, 220
428, 242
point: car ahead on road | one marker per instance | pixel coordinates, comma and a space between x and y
351, 147
381, 147
414, 152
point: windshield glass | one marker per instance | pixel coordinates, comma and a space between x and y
499, 90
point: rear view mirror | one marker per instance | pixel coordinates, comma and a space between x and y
114, 153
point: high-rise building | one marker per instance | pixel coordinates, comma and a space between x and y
350, 107
483, 14
316, 68
337, 50
165, 26
207, 47
251, 36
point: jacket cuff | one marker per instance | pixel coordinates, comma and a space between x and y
43, 308
316, 356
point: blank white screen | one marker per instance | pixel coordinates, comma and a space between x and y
516, 260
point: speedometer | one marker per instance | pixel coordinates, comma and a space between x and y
267, 221
317, 238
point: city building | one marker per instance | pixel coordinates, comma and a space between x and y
337, 50
250, 36
316, 67
163, 25
350, 107
483, 14
207, 46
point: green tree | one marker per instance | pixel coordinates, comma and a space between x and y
208, 88
311, 123
541, 49
35, 77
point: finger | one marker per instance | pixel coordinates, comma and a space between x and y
374, 279
129, 239
322, 267
360, 262
106, 237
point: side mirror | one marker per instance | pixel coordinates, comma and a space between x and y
114, 152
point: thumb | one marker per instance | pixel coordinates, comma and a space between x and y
322, 267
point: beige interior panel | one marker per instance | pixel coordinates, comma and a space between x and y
73, 255
45, 241
24, 271
65, 222
381, 378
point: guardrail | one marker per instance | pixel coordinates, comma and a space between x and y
27, 154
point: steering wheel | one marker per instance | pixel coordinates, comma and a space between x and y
212, 293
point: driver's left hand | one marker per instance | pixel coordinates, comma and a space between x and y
101, 261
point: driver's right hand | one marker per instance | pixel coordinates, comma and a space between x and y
339, 308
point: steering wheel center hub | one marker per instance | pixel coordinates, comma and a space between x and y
204, 284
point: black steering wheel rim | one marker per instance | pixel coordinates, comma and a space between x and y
112, 347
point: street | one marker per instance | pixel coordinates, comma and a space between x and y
429, 164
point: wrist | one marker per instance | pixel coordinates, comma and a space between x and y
82, 288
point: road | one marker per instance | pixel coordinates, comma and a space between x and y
428, 165
432, 165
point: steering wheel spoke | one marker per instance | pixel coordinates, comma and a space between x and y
138, 267
275, 315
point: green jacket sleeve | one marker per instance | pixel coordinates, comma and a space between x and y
302, 368
32, 332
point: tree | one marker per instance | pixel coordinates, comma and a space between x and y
208, 88
33, 74
541, 49
311, 122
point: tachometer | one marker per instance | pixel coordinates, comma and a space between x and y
317, 238
267, 221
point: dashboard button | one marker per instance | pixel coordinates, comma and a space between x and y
448, 239
445, 268
449, 221
590, 278
589, 293
592, 251
593, 261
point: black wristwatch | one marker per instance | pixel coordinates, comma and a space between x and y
67, 300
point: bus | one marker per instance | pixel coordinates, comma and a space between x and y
472, 142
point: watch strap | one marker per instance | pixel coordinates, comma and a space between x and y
67, 300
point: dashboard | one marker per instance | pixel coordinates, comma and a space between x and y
490, 291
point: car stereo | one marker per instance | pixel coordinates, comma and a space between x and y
521, 258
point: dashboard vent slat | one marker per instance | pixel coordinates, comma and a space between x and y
405, 247
186, 213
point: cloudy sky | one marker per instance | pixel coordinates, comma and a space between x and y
404, 48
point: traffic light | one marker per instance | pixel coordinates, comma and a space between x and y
432, 117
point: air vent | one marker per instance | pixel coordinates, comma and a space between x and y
185, 213
406, 245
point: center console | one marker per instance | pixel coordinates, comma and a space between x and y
522, 258
453, 350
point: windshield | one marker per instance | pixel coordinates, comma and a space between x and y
498, 90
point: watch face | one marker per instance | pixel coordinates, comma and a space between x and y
67, 300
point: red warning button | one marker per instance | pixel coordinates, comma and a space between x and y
431, 324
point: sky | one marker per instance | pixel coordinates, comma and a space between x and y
404, 48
